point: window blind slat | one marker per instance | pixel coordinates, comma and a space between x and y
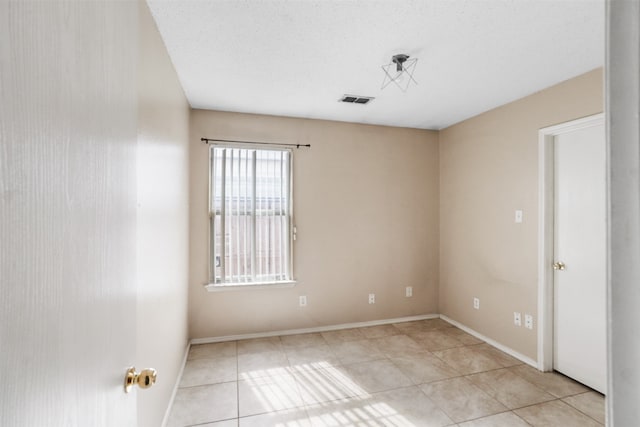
270, 169
223, 216
254, 270
231, 216
238, 220
244, 215
269, 213
278, 217
259, 216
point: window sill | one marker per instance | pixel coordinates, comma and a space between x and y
213, 287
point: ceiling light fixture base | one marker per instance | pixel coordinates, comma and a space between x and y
403, 74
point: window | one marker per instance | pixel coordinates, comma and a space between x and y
250, 216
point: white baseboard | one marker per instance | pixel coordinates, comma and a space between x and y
489, 341
311, 330
328, 328
165, 420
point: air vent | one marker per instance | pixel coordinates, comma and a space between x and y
354, 99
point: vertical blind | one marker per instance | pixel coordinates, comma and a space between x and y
250, 213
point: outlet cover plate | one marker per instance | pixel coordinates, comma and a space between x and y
528, 321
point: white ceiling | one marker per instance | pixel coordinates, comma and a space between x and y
297, 58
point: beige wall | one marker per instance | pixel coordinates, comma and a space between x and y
488, 169
162, 221
366, 210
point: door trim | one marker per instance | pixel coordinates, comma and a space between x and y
545, 231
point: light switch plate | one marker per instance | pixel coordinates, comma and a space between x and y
518, 217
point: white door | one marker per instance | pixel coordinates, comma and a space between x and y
580, 255
67, 213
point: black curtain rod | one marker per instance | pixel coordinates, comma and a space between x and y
207, 140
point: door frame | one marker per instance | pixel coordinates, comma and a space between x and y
546, 207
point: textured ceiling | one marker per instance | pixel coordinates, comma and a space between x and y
297, 58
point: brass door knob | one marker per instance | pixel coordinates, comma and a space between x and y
144, 379
558, 265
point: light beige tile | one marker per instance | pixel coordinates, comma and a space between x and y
380, 331
506, 419
424, 368
302, 340
255, 365
555, 413
461, 400
551, 382
259, 345
422, 325
462, 336
499, 356
356, 351
209, 371
375, 376
212, 351
409, 328
409, 407
343, 335
226, 423
590, 403
324, 385
344, 412
305, 358
436, 324
203, 404
397, 345
401, 407
268, 394
289, 418
467, 360
509, 389
436, 339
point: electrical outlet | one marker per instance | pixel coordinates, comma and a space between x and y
476, 303
372, 298
517, 319
528, 321
303, 301
408, 292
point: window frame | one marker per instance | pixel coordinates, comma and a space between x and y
214, 286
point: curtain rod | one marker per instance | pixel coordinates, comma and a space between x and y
208, 140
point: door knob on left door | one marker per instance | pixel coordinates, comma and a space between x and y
558, 265
144, 379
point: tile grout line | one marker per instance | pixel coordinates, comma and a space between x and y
237, 384
582, 412
508, 411
559, 399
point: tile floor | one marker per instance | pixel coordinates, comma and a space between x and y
423, 373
